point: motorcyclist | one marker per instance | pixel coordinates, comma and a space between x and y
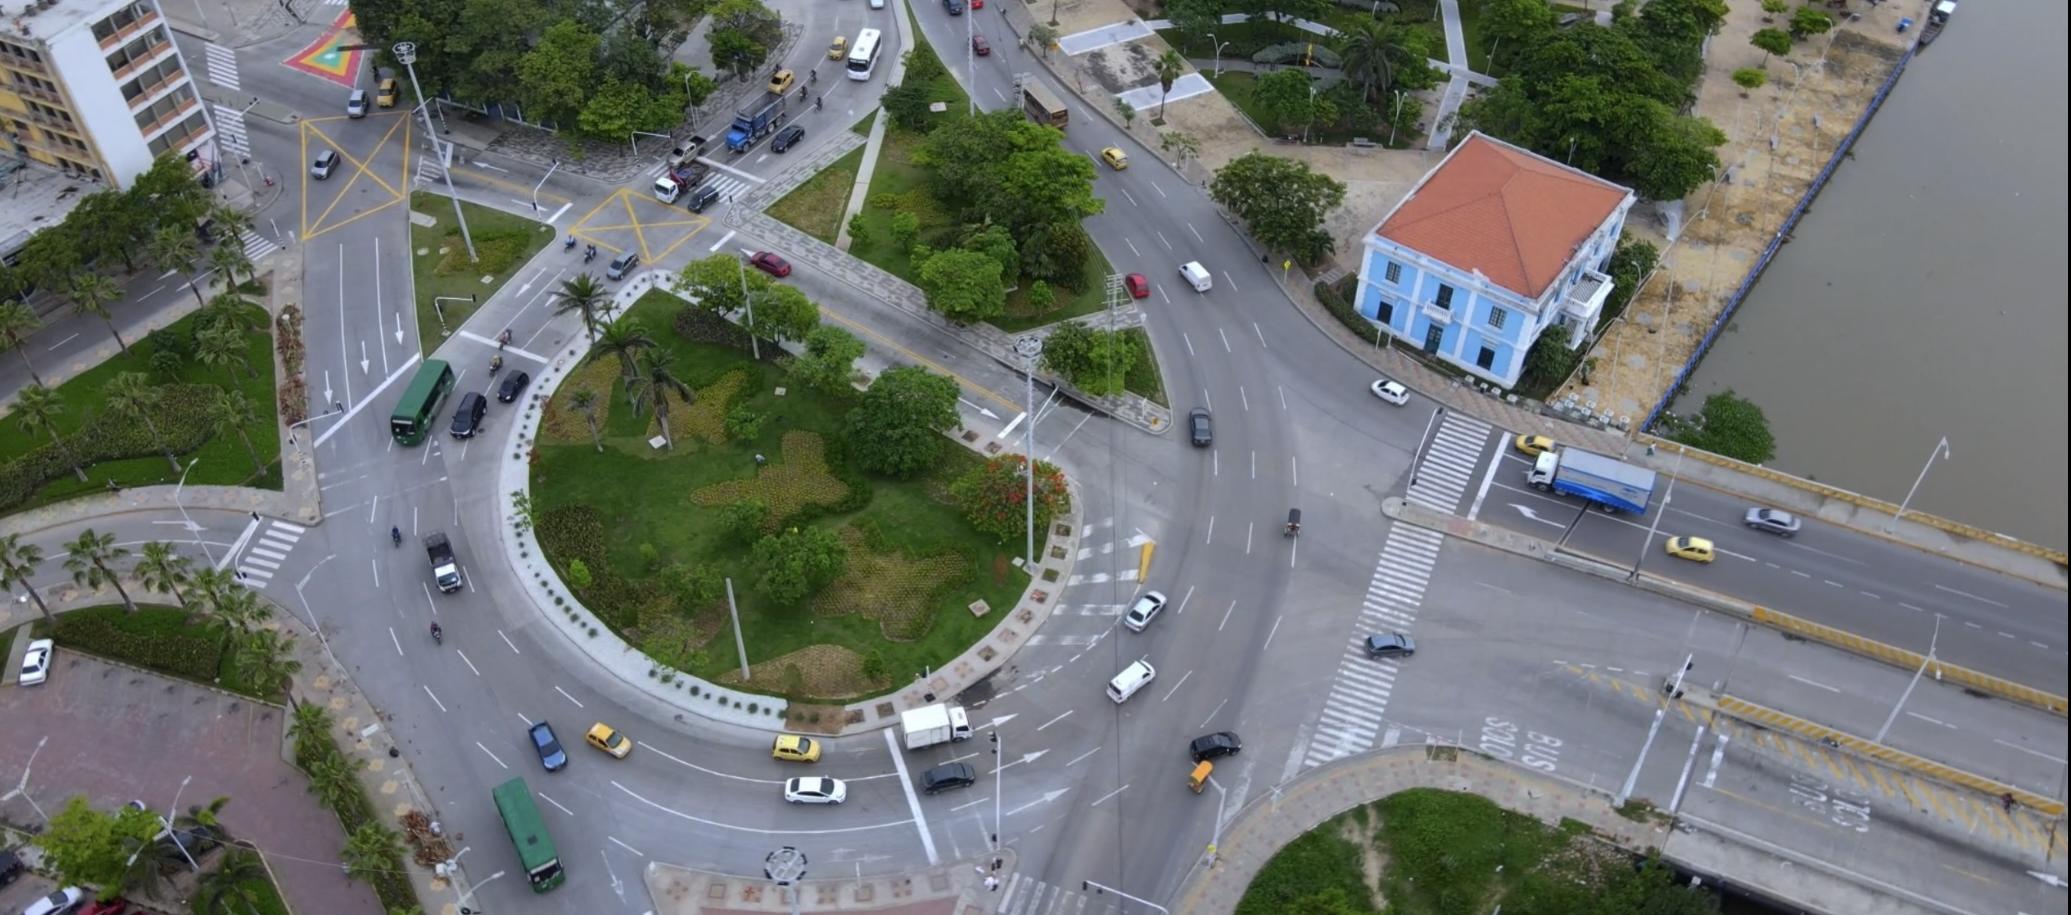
437, 634
396, 534
495, 364
503, 339
568, 245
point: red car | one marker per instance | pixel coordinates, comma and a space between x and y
981, 46
1139, 288
769, 263
116, 906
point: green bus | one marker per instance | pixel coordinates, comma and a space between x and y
529, 833
419, 408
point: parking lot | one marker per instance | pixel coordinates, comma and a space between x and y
114, 734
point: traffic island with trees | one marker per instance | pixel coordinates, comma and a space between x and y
856, 534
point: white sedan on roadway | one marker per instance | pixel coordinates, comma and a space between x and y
815, 790
1391, 391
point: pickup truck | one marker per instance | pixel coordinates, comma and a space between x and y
685, 174
444, 568
1609, 484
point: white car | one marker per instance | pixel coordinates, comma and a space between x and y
1144, 610
64, 900
877, 4
1391, 391
36, 664
815, 791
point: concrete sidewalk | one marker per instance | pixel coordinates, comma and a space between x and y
950, 888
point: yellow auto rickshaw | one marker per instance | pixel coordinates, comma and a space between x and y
1199, 779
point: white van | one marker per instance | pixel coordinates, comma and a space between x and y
1196, 276
1131, 679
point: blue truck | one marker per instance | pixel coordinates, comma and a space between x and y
1611, 485
756, 120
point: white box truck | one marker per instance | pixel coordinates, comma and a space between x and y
933, 724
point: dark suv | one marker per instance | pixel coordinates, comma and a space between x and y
703, 197
787, 138
1200, 427
467, 418
1215, 746
946, 776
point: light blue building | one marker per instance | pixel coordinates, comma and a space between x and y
1493, 248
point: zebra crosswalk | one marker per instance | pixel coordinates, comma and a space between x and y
263, 556
255, 245
1358, 700
222, 65
230, 130
1029, 896
1447, 467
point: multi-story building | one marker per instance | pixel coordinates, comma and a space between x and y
94, 90
1493, 248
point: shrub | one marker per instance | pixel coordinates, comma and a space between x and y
181, 416
158, 638
994, 495
743, 423
745, 520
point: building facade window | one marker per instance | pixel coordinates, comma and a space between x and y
1393, 272
1497, 317
1445, 297
1385, 312
1486, 359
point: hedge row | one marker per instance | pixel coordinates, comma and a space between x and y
391, 884
179, 649
181, 416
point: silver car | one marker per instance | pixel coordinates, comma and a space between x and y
1144, 610
1773, 520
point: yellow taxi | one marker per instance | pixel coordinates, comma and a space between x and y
604, 737
385, 96
781, 83
1695, 549
838, 48
1115, 158
1535, 445
793, 748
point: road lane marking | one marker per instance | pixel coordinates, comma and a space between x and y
1175, 687
615, 841
1081, 757
920, 819
1983, 600
478, 744
1109, 795
1211, 714
557, 804
1226, 617
564, 695
2026, 750
464, 660
1269, 635
1067, 714
1814, 683
507, 641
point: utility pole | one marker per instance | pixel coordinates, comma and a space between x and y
1030, 346
406, 52
749, 301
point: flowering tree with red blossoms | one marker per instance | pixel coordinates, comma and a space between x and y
994, 495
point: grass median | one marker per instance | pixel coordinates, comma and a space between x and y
449, 288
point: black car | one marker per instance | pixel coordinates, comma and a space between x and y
703, 197
467, 418
1390, 645
550, 753
947, 776
622, 265
787, 138
513, 385
955, 7
11, 868
1200, 427
1215, 746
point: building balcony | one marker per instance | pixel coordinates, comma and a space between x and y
150, 96
152, 130
54, 122
147, 18
31, 90
1585, 300
161, 52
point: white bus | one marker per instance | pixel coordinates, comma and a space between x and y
863, 54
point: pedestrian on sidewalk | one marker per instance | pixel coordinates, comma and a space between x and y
992, 883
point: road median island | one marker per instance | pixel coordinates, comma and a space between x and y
446, 285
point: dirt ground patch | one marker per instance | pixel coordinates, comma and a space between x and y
561, 423
1811, 102
824, 671
797, 478
894, 589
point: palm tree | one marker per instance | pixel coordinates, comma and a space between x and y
164, 570
372, 849
656, 382
232, 261
1373, 50
209, 816
239, 610
36, 409
582, 294
175, 249
152, 860
90, 554
18, 561
1168, 67
230, 889
333, 778
231, 411
584, 401
266, 657
311, 722
221, 346
131, 395
624, 339
209, 584
17, 323
231, 222
91, 294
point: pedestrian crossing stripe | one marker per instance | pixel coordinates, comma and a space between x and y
222, 65
1029, 896
264, 555
1446, 468
1357, 705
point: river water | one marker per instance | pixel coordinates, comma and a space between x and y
1925, 294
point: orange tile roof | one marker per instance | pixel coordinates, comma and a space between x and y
1513, 215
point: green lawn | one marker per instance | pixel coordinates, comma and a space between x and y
181, 417
1143, 377
862, 128
1245, 39
439, 264
157, 638
817, 206
914, 563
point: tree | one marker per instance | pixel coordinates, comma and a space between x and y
88, 846
1771, 41
1807, 22
372, 849
1094, 361
797, 563
221, 346
149, 861
1513, 26
1125, 111
18, 561
267, 656
994, 495
1629, 267
1675, 157
1379, 53
1730, 425
1168, 66
232, 888
781, 313
231, 411
1284, 97
859, 230
584, 403
1775, 7
994, 241
1548, 363
36, 410
905, 229
237, 610
965, 286
1002, 168
743, 520
334, 777
1044, 36
91, 294
1281, 201
1041, 297
907, 105
1750, 78
656, 382
164, 570
555, 76
829, 359
311, 725
1180, 146
88, 557
1194, 18
174, 250
897, 429
626, 340
716, 284
130, 395
585, 296
17, 323
231, 260
208, 585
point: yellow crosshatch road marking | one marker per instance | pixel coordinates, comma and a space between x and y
351, 169
637, 210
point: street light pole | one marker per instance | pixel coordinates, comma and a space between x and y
1219, 45
1932, 642
1418, 458
750, 303
1667, 496
406, 52
189, 522
1030, 346
1088, 885
542, 183
1941, 449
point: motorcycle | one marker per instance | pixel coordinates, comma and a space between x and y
589, 254
495, 365
396, 534
1294, 521
568, 245
438, 636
